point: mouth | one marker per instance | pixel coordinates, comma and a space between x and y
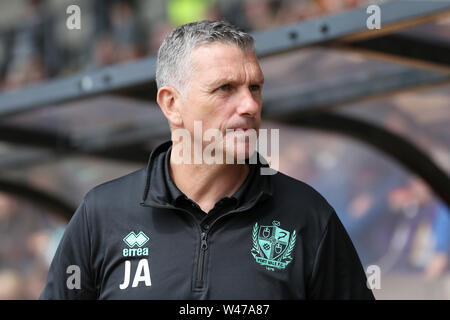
241, 128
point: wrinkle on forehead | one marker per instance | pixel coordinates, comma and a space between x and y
229, 63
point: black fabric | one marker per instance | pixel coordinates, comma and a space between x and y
178, 199
139, 237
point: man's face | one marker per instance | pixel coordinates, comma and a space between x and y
223, 91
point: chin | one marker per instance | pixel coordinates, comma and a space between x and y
239, 146
242, 151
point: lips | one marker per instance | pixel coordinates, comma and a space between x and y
241, 128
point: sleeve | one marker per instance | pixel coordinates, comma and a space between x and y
70, 275
337, 270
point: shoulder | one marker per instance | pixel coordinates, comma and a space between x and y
287, 188
128, 188
301, 201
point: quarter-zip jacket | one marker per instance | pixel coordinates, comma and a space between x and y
276, 238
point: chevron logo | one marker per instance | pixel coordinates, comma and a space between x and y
132, 239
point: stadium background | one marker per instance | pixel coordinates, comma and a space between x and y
393, 217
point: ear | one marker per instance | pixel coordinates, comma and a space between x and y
167, 99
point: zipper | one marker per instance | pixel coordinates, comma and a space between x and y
204, 242
201, 259
199, 283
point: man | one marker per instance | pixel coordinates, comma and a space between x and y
187, 229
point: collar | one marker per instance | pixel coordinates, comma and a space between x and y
160, 190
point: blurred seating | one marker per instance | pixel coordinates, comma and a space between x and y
120, 31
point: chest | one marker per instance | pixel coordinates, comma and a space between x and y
242, 259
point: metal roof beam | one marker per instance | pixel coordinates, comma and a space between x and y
120, 144
139, 76
411, 50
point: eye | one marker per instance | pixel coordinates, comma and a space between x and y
255, 87
225, 87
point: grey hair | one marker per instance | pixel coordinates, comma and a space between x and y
172, 62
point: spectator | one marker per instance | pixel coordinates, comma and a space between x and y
26, 64
261, 14
157, 34
333, 6
105, 51
125, 31
439, 262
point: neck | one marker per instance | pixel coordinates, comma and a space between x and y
206, 184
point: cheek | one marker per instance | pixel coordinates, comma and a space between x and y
213, 112
216, 112
192, 110
198, 113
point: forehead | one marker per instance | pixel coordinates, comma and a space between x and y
213, 62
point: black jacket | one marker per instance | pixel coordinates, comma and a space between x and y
139, 237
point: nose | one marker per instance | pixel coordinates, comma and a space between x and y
248, 104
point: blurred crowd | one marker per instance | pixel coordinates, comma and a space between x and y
393, 218
29, 236
40, 46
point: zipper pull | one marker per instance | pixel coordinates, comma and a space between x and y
204, 244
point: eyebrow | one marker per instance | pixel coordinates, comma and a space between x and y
223, 81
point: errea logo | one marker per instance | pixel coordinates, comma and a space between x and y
143, 268
133, 239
